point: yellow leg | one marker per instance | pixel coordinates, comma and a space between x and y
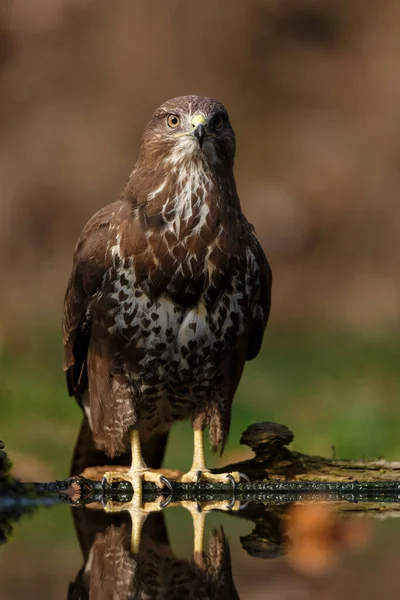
137, 473
199, 461
199, 471
137, 459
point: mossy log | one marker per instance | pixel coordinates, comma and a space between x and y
274, 461
277, 475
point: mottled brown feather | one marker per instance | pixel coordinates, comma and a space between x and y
168, 296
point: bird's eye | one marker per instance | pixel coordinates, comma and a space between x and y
173, 121
218, 121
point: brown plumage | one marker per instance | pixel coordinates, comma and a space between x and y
169, 293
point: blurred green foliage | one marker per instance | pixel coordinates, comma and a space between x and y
338, 392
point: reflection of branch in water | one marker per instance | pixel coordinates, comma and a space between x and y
268, 538
312, 534
112, 570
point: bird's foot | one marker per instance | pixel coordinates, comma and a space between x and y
136, 477
197, 475
205, 506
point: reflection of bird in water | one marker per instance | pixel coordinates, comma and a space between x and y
112, 572
169, 295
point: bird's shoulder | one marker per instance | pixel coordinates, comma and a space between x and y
94, 237
90, 262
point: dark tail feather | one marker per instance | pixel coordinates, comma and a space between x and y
87, 455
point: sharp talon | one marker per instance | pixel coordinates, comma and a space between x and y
165, 502
107, 505
233, 482
166, 483
198, 506
231, 503
245, 477
244, 505
198, 477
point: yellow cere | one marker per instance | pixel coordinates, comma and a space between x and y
198, 120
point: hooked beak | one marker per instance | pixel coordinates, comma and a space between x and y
200, 134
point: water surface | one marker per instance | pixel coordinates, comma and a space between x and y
283, 550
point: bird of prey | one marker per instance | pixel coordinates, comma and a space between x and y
169, 295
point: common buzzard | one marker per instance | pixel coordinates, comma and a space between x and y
169, 294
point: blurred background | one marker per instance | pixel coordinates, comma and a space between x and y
313, 91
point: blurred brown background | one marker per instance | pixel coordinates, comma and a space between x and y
313, 89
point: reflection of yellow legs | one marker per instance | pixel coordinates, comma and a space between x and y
199, 471
138, 513
199, 515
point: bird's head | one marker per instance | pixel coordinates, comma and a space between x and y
187, 128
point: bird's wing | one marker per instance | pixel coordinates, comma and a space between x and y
89, 266
247, 345
263, 303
